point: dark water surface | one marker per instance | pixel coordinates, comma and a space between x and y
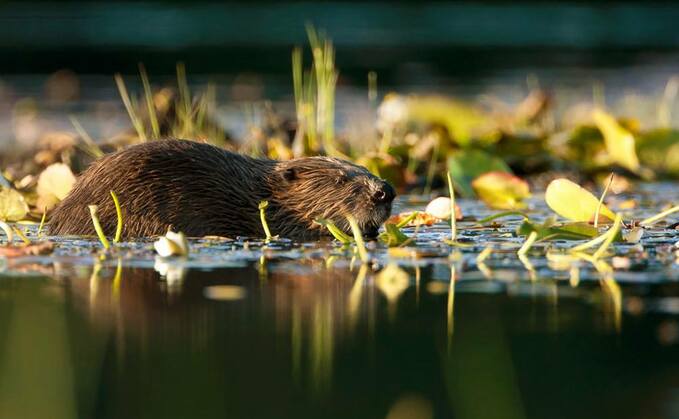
240, 331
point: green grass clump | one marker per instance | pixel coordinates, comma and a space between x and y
171, 113
315, 96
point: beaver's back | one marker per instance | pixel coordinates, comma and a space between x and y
192, 187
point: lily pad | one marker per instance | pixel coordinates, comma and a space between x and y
501, 190
620, 143
572, 201
13, 207
548, 231
466, 165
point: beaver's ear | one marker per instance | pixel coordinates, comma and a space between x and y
289, 174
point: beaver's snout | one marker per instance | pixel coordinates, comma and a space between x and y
385, 194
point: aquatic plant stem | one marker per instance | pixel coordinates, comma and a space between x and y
532, 237
453, 216
611, 236
262, 216
654, 219
358, 237
8, 230
119, 214
601, 200
42, 220
21, 235
97, 227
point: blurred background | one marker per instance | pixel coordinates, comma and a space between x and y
463, 48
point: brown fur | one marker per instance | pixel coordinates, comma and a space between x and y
203, 190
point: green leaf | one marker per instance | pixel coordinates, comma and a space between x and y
466, 165
620, 143
13, 207
568, 231
501, 190
393, 236
335, 231
571, 201
463, 122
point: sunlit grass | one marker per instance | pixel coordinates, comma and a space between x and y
191, 116
315, 91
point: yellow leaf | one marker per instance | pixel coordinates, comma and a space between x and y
13, 207
620, 143
501, 190
54, 183
572, 201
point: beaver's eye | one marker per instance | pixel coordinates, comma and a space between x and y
289, 174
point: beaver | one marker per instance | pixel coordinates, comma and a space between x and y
202, 190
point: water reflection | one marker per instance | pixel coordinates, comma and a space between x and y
297, 337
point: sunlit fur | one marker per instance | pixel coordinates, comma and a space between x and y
204, 190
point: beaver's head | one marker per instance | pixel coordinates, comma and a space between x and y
310, 188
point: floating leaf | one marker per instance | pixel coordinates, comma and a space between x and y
393, 236
466, 165
501, 190
411, 219
54, 184
13, 207
620, 143
548, 231
571, 201
659, 150
462, 121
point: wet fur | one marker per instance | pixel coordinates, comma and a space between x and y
203, 190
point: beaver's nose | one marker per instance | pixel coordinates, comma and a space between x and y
385, 194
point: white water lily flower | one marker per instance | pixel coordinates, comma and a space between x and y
439, 208
172, 244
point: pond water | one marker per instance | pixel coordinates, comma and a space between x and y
243, 330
